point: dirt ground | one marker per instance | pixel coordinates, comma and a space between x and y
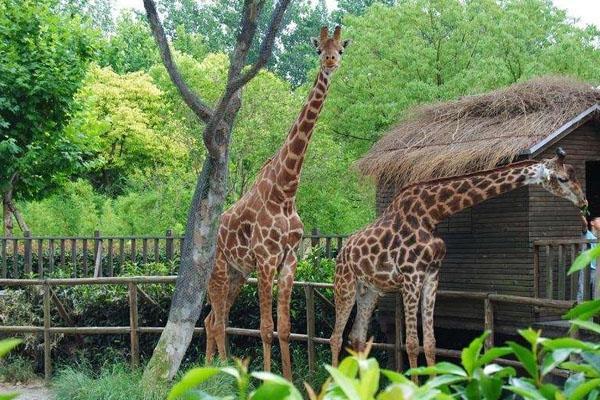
36, 391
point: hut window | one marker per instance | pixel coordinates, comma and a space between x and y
458, 223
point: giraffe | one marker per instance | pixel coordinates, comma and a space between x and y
262, 230
400, 251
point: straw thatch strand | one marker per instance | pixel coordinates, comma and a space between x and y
475, 132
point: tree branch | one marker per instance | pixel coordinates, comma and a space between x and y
236, 81
266, 47
201, 109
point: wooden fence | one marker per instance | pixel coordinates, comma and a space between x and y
552, 259
311, 289
98, 255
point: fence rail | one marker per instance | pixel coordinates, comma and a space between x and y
551, 261
100, 255
490, 300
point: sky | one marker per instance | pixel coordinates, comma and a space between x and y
586, 11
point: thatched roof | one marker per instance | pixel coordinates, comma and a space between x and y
476, 132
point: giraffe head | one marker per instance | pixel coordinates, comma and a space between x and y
560, 179
330, 49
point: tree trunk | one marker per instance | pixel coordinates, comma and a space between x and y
20, 220
7, 214
196, 265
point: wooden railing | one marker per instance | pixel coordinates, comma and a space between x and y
552, 259
99, 255
489, 300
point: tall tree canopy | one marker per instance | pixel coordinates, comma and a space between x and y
43, 59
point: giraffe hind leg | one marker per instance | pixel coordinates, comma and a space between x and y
285, 284
218, 287
411, 291
344, 289
430, 285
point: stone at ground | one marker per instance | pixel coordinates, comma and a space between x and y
31, 391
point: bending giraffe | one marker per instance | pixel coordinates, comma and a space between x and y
400, 251
262, 230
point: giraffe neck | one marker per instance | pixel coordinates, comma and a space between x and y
434, 201
287, 163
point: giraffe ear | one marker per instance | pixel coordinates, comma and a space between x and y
346, 42
315, 42
560, 154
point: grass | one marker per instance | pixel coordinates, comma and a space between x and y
17, 369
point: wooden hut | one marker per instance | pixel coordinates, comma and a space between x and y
490, 247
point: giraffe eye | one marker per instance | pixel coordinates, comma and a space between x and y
341, 52
319, 51
563, 180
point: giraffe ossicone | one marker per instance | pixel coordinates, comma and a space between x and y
401, 252
262, 231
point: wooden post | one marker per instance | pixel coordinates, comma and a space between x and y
40, 256
133, 325
133, 251
156, 250
97, 255
536, 271
4, 258
597, 280
84, 252
575, 276
488, 308
62, 253
47, 348
51, 254
549, 273
111, 271
121, 253
16, 273
399, 332
562, 273
28, 250
328, 247
74, 256
310, 327
144, 251
169, 245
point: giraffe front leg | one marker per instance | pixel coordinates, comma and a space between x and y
430, 285
284, 285
266, 275
411, 291
214, 323
366, 301
344, 292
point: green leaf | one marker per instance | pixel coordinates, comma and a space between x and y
553, 359
524, 389
588, 325
572, 383
587, 369
549, 391
271, 391
395, 377
593, 359
349, 367
346, 384
470, 354
569, 343
584, 259
7, 345
439, 368
491, 355
443, 380
270, 379
584, 388
532, 336
9, 396
472, 391
490, 387
191, 380
585, 310
526, 358
369, 378
397, 392
499, 371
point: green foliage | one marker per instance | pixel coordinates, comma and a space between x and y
16, 369
115, 381
44, 57
131, 48
7, 345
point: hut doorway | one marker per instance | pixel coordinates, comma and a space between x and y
592, 187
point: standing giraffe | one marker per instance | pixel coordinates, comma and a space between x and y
262, 230
401, 251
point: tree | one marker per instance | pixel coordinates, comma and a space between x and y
97, 13
200, 238
44, 58
123, 124
131, 47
